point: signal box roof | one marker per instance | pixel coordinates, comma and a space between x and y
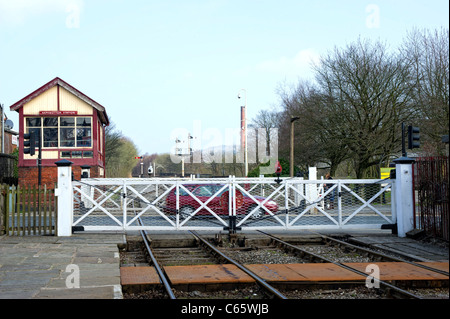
57, 81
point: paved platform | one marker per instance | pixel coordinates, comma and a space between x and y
47, 267
415, 249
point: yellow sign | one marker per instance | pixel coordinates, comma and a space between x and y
385, 172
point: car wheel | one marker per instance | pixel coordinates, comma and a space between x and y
186, 210
256, 215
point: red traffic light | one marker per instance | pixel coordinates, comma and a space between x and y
278, 168
138, 157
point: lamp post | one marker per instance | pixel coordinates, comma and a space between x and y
244, 130
293, 119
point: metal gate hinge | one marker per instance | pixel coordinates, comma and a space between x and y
77, 228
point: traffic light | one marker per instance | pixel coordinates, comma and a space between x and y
29, 143
278, 168
413, 137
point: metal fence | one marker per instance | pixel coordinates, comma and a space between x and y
431, 185
231, 204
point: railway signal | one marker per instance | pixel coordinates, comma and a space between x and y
29, 143
29, 147
278, 170
413, 137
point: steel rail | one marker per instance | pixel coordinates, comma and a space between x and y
379, 254
258, 279
161, 274
387, 285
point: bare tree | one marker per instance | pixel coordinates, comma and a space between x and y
362, 94
366, 95
295, 102
266, 120
316, 138
428, 54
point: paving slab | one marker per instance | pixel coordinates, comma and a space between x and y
83, 266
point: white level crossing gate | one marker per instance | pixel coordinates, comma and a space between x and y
231, 204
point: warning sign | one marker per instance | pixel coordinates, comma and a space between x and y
385, 172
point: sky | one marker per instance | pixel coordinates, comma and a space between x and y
166, 68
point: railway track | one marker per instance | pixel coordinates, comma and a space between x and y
379, 255
334, 251
212, 252
261, 282
391, 289
160, 271
197, 256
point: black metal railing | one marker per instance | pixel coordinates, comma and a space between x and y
431, 185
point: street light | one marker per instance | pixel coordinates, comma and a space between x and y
244, 129
293, 119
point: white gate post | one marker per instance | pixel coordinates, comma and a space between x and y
65, 198
312, 189
404, 195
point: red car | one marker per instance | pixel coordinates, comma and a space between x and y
218, 204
